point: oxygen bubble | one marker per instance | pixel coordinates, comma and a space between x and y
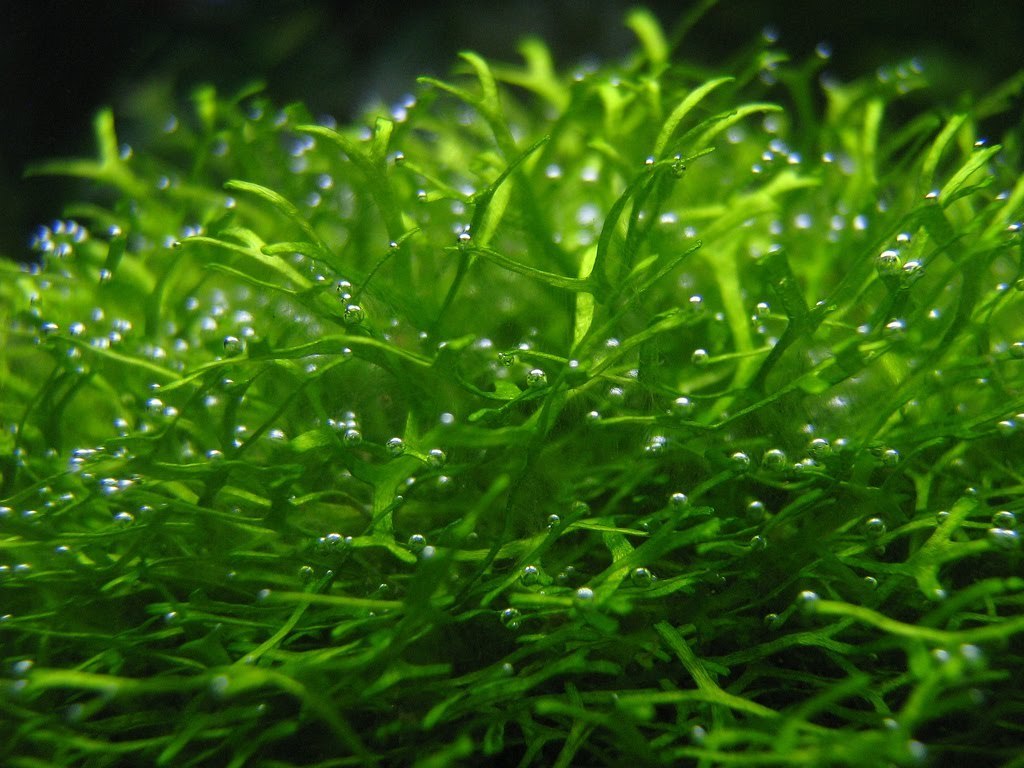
306, 574
641, 577
530, 575
678, 500
1004, 538
536, 378
233, 346
353, 315
771, 619
1004, 519
700, 357
807, 601
584, 594
417, 542
758, 543
740, 461
895, 327
395, 446
511, 618
682, 406
553, 520
889, 262
819, 448
655, 445
1006, 427
774, 460
870, 582
124, 518
890, 457
755, 511
1017, 350
436, 458
874, 527
972, 654
352, 437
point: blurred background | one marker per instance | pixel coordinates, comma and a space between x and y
63, 60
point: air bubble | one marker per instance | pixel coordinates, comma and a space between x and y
678, 500
740, 461
889, 262
1017, 350
700, 357
395, 446
682, 407
353, 315
352, 437
774, 460
819, 448
807, 601
1004, 538
436, 458
584, 594
417, 542
874, 527
553, 520
1004, 519
530, 575
511, 618
890, 457
656, 445
755, 511
536, 378
233, 346
641, 577
758, 543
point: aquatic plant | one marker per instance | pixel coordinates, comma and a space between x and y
541, 419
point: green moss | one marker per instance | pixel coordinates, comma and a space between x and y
547, 419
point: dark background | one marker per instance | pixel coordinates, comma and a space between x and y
61, 61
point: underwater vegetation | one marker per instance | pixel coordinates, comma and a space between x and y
639, 411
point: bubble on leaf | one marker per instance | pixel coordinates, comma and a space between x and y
682, 407
678, 500
536, 378
740, 461
1004, 519
807, 601
584, 594
530, 575
774, 460
1004, 538
511, 618
874, 527
395, 446
641, 577
353, 315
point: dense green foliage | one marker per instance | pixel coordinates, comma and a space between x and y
638, 412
